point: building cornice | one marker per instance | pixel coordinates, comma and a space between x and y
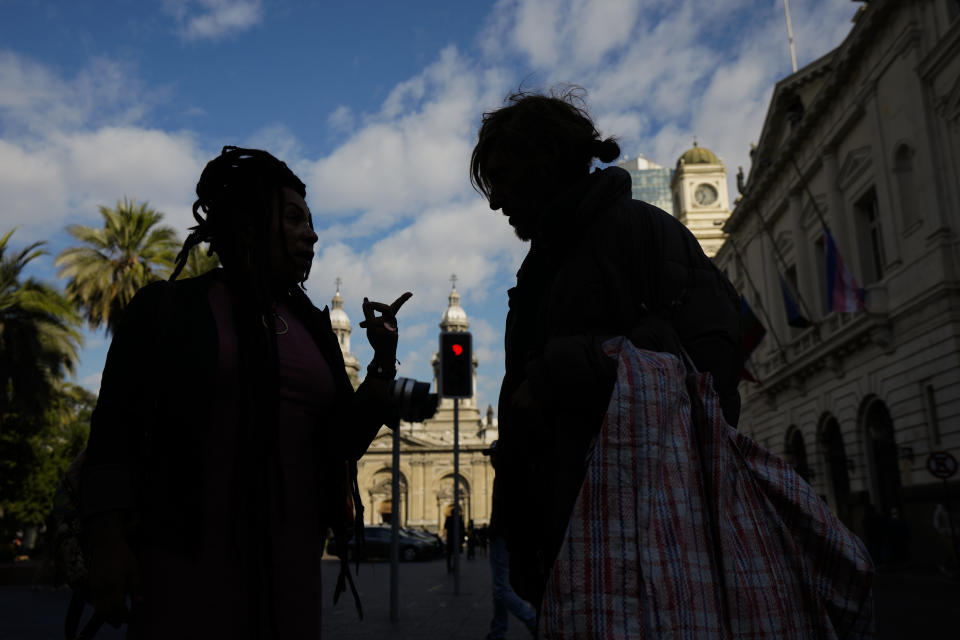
942, 53
839, 64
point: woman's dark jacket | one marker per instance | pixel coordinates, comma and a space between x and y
602, 265
157, 397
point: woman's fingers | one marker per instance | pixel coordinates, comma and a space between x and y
399, 302
388, 312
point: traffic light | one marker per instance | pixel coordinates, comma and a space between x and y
456, 364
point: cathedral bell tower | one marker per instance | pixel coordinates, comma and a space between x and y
700, 200
341, 327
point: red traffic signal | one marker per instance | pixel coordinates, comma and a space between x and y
455, 377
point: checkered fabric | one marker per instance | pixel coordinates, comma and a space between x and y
641, 559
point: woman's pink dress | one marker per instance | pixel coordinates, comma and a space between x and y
210, 598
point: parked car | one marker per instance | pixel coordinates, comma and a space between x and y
423, 534
377, 545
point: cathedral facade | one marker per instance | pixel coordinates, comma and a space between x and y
426, 470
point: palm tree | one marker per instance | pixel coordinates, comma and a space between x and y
198, 262
39, 341
115, 261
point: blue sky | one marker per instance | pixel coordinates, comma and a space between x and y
375, 105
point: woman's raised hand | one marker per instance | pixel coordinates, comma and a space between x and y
382, 330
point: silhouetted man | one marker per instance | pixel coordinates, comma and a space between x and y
600, 265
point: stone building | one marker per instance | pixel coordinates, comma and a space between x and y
865, 140
426, 452
650, 182
700, 201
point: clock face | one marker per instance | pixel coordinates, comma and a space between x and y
705, 195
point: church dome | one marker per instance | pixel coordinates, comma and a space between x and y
338, 317
698, 155
454, 318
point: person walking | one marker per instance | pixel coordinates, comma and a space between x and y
453, 537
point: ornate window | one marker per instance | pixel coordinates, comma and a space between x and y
873, 257
883, 452
906, 190
837, 466
797, 453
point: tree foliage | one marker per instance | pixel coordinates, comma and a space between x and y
43, 421
199, 262
113, 262
39, 341
35, 451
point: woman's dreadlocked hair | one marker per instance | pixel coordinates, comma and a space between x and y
556, 124
237, 193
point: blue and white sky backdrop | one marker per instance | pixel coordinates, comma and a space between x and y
376, 106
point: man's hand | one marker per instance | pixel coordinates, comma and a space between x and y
382, 330
523, 399
114, 572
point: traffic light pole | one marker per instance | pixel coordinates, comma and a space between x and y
395, 529
455, 381
456, 496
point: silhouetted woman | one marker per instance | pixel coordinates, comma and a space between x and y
221, 446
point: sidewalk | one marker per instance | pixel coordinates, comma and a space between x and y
428, 608
911, 602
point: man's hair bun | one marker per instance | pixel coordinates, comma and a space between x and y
606, 150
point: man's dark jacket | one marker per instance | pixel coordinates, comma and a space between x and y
602, 265
157, 397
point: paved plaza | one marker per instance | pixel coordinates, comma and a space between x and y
429, 609
910, 603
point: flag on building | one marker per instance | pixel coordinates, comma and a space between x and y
753, 333
794, 317
843, 292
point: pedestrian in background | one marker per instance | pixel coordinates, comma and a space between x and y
942, 525
471, 541
452, 544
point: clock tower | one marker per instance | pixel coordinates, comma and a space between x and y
700, 199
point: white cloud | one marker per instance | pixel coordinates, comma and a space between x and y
465, 238
213, 19
280, 141
35, 99
92, 381
66, 177
410, 155
341, 119
70, 145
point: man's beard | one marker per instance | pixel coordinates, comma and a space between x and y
524, 225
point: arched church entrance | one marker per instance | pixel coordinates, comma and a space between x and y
882, 452
838, 473
445, 499
381, 507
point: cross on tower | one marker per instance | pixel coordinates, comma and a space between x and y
338, 282
453, 280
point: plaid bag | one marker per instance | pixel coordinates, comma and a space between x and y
686, 528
